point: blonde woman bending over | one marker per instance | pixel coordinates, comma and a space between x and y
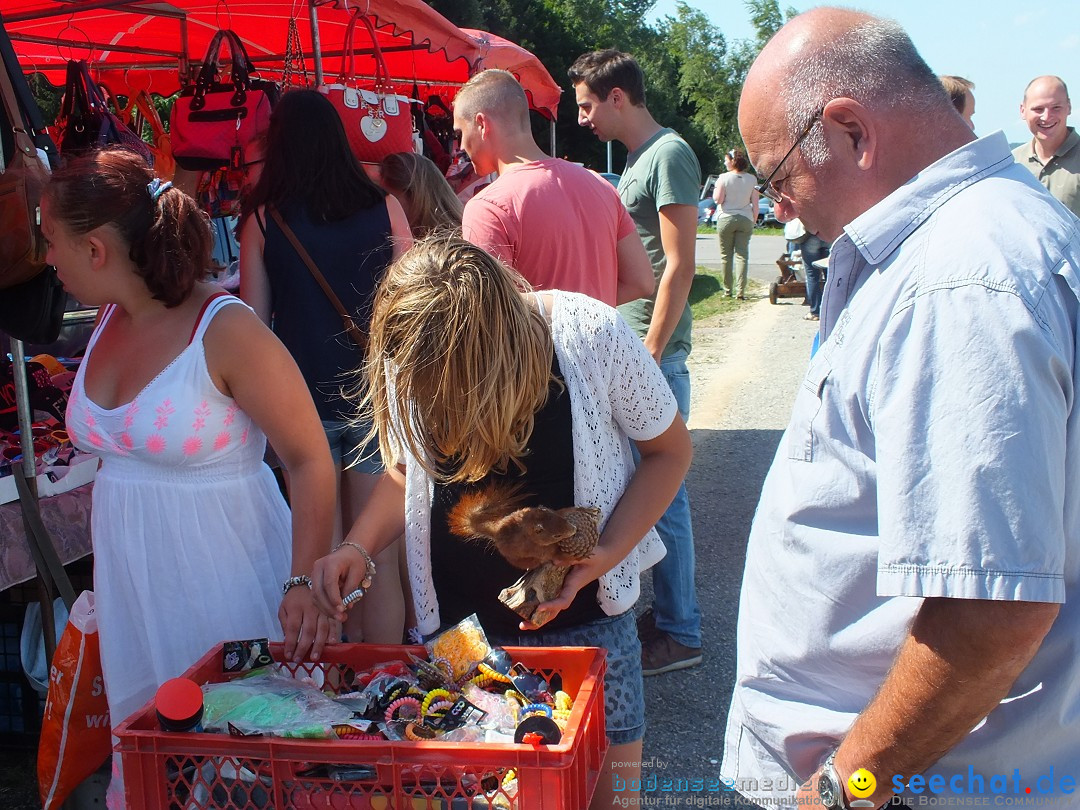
474, 380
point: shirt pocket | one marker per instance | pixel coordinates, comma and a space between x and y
808, 404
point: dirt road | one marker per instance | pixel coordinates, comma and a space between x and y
744, 372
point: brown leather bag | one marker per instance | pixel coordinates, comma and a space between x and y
22, 179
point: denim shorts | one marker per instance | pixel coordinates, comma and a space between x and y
345, 439
624, 687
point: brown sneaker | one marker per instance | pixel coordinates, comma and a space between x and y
664, 654
646, 626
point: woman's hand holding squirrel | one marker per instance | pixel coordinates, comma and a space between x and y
581, 573
306, 629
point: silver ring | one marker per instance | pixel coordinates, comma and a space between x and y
355, 596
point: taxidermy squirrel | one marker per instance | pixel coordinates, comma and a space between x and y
529, 538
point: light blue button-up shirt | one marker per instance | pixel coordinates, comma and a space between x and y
933, 450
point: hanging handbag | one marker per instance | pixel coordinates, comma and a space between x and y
354, 331
211, 121
22, 179
86, 122
33, 311
377, 121
138, 114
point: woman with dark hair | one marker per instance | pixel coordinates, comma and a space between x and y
352, 230
193, 543
737, 200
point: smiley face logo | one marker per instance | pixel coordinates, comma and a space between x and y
862, 783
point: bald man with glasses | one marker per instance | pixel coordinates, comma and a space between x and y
911, 598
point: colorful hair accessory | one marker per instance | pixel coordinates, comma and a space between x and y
444, 665
156, 188
563, 701
431, 697
418, 732
535, 708
400, 703
439, 706
361, 736
353, 596
495, 675
481, 680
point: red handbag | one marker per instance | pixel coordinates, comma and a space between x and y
211, 121
378, 122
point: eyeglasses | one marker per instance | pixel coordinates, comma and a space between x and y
766, 187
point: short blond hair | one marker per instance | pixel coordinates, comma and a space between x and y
459, 361
497, 94
958, 88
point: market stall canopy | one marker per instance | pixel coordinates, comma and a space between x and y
422, 48
496, 52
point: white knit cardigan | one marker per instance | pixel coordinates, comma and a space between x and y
616, 391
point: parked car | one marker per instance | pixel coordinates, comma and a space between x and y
766, 213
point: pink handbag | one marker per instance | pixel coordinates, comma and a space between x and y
211, 121
377, 121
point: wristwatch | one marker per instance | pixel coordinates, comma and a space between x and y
830, 787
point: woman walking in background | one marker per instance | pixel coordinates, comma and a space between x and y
429, 202
352, 230
737, 201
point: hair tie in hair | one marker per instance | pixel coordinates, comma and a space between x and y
157, 188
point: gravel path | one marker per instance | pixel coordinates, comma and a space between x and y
745, 369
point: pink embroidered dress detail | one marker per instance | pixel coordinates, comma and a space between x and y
191, 535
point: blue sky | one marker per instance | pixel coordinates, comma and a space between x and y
998, 45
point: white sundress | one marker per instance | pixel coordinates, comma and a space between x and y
191, 534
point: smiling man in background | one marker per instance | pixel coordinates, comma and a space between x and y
1053, 154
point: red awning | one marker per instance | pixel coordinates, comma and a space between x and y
496, 52
421, 47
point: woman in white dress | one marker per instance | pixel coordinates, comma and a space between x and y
179, 387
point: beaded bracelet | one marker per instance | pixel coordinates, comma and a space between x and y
369, 575
292, 582
392, 709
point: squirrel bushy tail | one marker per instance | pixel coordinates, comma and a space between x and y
479, 514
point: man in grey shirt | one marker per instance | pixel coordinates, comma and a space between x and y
1053, 154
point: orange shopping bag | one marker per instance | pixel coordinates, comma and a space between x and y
75, 734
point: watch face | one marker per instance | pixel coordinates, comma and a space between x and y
827, 791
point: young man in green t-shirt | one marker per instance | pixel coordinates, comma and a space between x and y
659, 187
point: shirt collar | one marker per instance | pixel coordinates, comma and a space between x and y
876, 233
1071, 140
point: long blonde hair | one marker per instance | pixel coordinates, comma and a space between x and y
429, 202
459, 362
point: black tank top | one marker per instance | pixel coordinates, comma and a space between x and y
469, 574
352, 254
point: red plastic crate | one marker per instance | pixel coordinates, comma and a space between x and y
168, 771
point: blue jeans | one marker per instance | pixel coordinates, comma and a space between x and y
675, 604
813, 249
